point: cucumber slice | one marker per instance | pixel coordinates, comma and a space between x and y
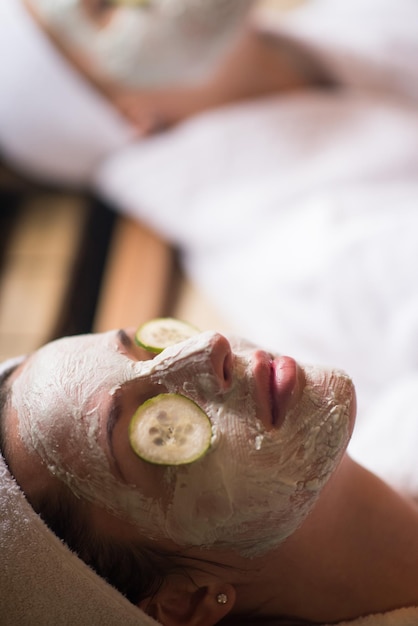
163, 332
170, 429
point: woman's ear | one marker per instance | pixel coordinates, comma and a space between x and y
188, 605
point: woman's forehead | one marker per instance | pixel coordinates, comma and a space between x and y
73, 369
65, 351
73, 357
59, 380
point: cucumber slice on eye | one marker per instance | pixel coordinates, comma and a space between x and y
163, 332
170, 429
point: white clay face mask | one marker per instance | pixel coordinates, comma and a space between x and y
154, 43
253, 487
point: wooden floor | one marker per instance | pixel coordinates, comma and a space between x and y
45, 259
37, 261
68, 265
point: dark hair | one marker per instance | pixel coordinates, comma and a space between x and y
4, 397
133, 569
136, 571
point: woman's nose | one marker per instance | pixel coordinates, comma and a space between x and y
221, 361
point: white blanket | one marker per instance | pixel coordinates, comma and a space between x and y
297, 214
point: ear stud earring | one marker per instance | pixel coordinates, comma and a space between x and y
221, 598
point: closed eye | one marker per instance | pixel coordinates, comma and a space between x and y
112, 419
131, 349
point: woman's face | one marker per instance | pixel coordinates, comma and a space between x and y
279, 432
147, 43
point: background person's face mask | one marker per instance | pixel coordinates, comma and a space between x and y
163, 42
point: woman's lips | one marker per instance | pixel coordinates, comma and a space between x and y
278, 383
285, 379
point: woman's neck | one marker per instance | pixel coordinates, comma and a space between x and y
356, 554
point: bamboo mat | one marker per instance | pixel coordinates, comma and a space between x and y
69, 265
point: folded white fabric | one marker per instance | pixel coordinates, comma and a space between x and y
41, 580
